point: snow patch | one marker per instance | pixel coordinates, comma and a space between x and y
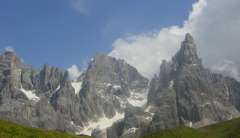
74, 72
77, 86
72, 123
122, 102
114, 86
131, 130
31, 95
108, 84
148, 109
202, 94
138, 99
117, 87
56, 89
151, 114
101, 124
194, 64
171, 84
205, 104
190, 124
149, 117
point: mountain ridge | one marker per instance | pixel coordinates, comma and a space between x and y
40, 98
183, 93
111, 99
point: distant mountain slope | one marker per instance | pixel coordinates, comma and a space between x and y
12, 130
112, 100
183, 93
47, 98
228, 129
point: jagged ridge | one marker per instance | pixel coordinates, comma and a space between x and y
112, 93
183, 93
46, 98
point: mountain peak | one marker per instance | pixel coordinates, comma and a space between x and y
188, 53
10, 58
189, 38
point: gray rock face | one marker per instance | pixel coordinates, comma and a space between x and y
48, 99
22, 94
187, 55
109, 82
9, 77
109, 98
186, 93
183, 93
133, 125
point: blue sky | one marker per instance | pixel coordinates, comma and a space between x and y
66, 32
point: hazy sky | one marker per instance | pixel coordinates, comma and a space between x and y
66, 32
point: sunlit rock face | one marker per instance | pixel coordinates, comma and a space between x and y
112, 100
186, 93
108, 88
47, 98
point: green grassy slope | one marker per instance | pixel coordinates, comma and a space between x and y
228, 129
179, 132
12, 130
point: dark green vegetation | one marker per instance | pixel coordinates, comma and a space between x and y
12, 130
179, 132
228, 129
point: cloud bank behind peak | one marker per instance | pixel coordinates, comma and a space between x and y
214, 25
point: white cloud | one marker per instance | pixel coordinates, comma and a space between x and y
228, 68
214, 25
145, 52
80, 6
9, 49
73, 72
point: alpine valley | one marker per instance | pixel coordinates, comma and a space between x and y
111, 99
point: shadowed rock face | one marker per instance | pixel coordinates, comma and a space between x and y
48, 99
183, 92
187, 55
21, 97
109, 82
186, 93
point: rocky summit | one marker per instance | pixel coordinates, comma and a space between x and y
182, 93
112, 100
47, 98
190, 94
